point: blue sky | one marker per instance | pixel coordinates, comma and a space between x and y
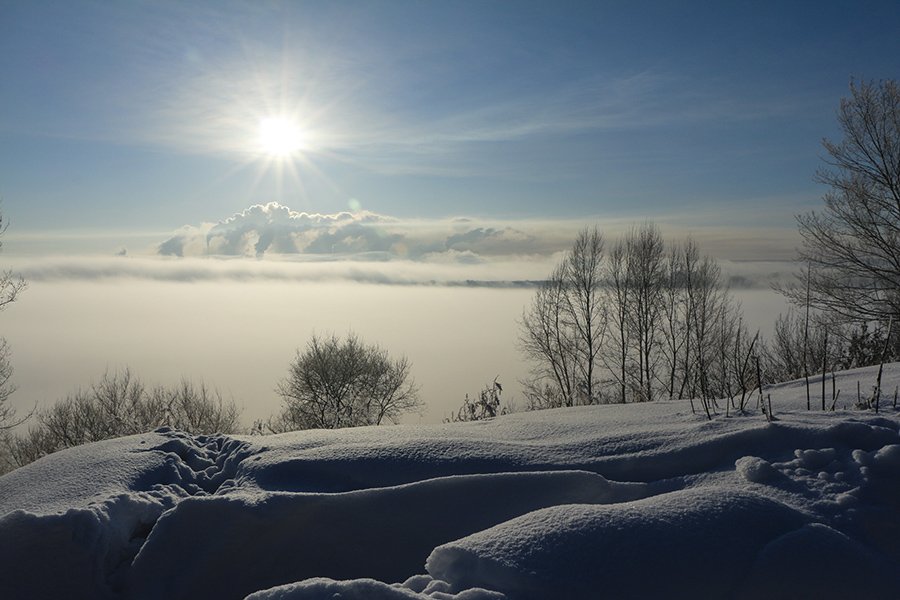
471, 139
131, 119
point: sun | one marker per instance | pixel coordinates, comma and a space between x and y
280, 136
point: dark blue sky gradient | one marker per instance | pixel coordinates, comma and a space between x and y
142, 116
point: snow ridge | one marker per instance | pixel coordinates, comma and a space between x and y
636, 501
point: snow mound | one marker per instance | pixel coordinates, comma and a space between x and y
704, 536
640, 501
73, 521
380, 533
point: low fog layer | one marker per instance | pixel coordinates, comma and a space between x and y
230, 302
241, 337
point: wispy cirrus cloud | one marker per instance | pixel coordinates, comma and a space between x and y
217, 111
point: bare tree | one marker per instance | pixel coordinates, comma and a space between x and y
10, 287
690, 307
741, 358
645, 263
641, 321
635, 280
7, 414
707, 305
546, 341
789, 349
823, 341
191, 407
588, 319
674, 327
616, 356
852, 248
562, 331
10, 284
674, 334
338, 383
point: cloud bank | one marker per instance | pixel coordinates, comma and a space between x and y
273, 229
273, 243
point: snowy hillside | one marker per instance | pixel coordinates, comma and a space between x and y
637, 501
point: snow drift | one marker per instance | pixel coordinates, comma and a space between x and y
637, 501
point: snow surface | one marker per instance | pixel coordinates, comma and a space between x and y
641, 501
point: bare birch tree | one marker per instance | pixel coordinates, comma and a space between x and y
674, 335
562, 331
617, 355
545, 339
640, 322
645, 264
635, 292
584, 267
852, 248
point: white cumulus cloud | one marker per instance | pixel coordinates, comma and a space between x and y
274, 229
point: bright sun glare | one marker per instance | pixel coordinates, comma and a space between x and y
280, 136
